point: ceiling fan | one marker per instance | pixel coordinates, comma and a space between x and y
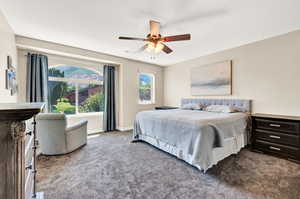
155, 41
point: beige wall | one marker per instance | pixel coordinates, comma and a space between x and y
268, 72
128, 79
7, 47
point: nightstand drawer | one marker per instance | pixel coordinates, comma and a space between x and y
276, 137
289, 127
278, 149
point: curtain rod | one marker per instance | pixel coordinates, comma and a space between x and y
70, 55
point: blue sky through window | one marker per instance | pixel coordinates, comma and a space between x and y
77, 73
145, 78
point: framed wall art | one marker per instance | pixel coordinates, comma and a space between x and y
11, 77
211, 79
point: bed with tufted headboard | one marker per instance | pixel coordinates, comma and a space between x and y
243, 104
201, 138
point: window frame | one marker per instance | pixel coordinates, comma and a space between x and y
76, 82
153, 88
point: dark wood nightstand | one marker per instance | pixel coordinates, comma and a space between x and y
165, 107
276, 135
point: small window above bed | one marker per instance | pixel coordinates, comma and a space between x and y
146, 88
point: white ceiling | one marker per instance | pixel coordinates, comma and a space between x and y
96, 24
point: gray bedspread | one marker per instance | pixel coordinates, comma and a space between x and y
192, 134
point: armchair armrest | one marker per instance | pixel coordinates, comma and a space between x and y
76, 125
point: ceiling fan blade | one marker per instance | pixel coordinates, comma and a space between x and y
154, 28
176, 38
166, 49
133, 38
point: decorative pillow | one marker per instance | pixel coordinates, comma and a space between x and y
221, 109
192, 106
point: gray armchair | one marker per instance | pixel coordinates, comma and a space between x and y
55, 137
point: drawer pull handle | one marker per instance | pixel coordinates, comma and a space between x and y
275, 125
274, 148
29, 133
28, 167
274, 136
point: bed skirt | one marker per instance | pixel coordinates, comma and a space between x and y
231, 146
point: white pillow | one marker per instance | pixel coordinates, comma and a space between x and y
191, 106
221, 109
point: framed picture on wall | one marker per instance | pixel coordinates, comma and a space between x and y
212, 79
11, 77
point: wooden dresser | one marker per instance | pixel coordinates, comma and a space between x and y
18, 150
276, 135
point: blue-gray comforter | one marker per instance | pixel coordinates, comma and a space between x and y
189, 134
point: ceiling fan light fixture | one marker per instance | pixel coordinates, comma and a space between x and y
150, 46
159, 47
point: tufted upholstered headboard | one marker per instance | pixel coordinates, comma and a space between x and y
244, 105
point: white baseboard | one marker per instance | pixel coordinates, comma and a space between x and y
128, 128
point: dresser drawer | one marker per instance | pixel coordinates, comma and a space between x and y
29, 156
277, 137
28, 136
29, 186
29, 170
29, 151
278, 149
289, 127
28, 147
29, 130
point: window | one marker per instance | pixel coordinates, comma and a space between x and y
75, 90
146, 88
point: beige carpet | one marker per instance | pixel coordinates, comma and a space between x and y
110, 167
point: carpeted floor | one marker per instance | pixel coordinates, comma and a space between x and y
112, 167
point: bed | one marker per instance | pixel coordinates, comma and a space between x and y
200, 138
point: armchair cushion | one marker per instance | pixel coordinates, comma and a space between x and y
76, 125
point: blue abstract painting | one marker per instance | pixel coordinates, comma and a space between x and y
212, 79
